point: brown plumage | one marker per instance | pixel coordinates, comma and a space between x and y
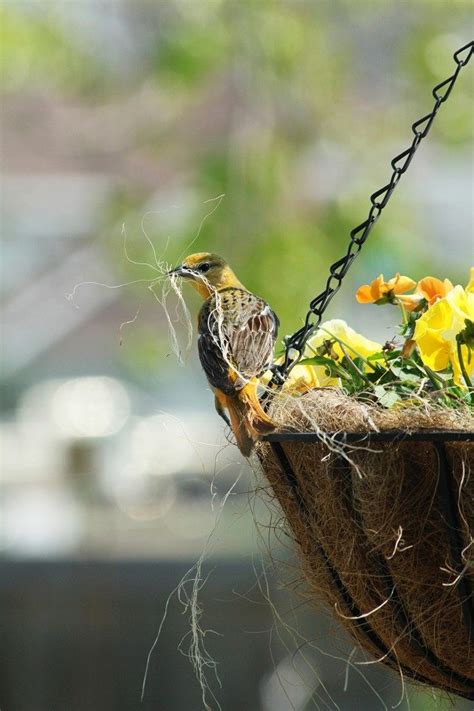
237, 332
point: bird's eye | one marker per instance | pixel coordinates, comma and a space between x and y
204, 267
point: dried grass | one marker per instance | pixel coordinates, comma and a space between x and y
369, 520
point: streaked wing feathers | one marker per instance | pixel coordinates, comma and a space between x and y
237, 332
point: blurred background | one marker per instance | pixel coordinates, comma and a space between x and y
258, 130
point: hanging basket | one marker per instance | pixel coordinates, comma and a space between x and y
383, 522
381, 503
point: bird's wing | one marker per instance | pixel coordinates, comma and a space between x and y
237, 334
251, 343
214, 365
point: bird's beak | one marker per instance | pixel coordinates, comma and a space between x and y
180, 271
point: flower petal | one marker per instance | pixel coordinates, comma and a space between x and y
436, 330
399, 284
433, 289
356, 344
364, 294
470, 286
377, 288
410, 301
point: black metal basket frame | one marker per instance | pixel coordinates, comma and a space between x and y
453, 526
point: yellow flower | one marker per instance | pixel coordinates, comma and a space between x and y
355, 344
470, 286
380, 291
304, 377
430, 289
436, 331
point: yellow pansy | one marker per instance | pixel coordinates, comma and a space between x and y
436, 331
470, 286
355, 343
304, 377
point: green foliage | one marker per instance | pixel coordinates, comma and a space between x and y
276, 105
190, 52
35, 50
396, 374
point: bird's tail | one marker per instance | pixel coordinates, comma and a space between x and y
247, 417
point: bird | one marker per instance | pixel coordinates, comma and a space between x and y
237, 331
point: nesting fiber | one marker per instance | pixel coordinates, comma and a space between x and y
370, 522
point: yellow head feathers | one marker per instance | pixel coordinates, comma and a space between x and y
207, 272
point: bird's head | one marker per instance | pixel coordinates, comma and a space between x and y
206, 272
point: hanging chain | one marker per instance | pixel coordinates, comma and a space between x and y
294, 344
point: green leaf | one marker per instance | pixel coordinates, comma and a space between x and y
317, 360
386, 398
466, 336
376, 356
332, 368
403, 375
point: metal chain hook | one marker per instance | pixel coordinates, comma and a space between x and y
295, 344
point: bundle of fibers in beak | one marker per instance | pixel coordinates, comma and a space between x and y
370, 525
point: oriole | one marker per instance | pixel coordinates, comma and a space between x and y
237, 332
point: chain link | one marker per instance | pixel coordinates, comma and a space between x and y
295, 344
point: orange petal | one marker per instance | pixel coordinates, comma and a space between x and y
364, 294
377, 288
433, 289
400, 284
